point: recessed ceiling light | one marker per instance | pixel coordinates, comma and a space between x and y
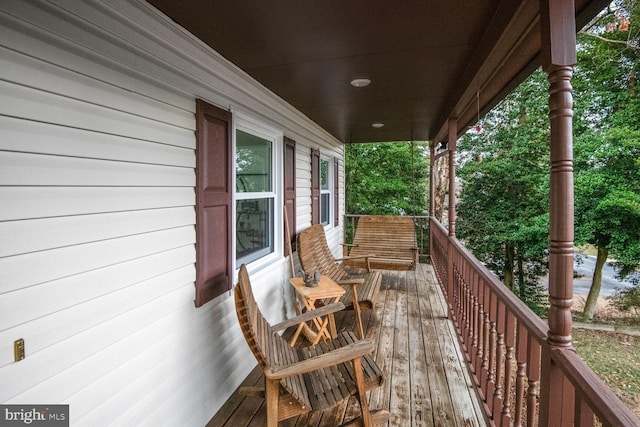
377, 125
360, 82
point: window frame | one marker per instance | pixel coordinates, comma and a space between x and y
328, 192
245, 123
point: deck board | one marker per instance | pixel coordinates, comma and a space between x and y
421, 405
427, 383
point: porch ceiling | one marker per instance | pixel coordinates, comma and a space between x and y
428, 61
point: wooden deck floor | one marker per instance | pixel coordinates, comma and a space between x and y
426, 382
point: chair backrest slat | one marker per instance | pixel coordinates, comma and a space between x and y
315, 255
255, 327
269, 348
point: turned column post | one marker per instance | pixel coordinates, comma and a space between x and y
561, 209
432, 192
558, 33
451, 146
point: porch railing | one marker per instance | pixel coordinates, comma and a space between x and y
420, 222
505, 345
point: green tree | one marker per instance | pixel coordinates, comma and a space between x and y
387, 178
608, 202
607, 141
503, 203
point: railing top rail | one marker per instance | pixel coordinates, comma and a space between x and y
599, 397
410, 216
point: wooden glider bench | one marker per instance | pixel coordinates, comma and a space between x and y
315, 378
388, 241
362, 287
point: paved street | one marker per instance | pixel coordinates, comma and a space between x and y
583, 266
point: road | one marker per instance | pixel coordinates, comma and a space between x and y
584, 270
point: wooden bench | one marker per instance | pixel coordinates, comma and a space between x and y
315, 378
362, 287
388, 241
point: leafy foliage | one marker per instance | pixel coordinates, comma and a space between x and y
608, 195
503, 203
627, 300
607, 139
387, 178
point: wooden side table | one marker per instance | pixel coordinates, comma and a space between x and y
326, 289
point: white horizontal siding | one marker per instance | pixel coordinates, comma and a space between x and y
43, 202
97, 232
36, 105
49, 233
39, 75
17, 272
46, 170
20, 307
26, 136
117, 340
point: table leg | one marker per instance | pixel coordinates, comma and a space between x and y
296, 334
332, 322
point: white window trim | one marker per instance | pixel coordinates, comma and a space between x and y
248, 124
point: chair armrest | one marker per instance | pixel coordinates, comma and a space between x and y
332, 358
346, 250
355, 281
309, 315
356, 257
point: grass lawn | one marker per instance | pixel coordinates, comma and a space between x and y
616, 359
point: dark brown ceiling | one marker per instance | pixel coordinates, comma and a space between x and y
428, 60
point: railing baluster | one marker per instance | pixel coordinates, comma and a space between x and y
508, 366
456, 293
475, 330
479, 356
500, 350
465, 307
584, 416
471, 332
486, 334
491, 381
533, 376
521, 358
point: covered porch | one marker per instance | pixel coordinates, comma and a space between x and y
103, 102
457, 349
433, 70
426, 379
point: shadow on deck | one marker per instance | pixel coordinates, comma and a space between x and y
426, 380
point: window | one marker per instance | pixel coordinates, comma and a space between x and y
324, 189
315, 186
325, 192
257, 218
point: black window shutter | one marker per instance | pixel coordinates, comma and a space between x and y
336, 194
214, 196
290, 192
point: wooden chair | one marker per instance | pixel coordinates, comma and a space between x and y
362, 288
388, 241
307, 379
